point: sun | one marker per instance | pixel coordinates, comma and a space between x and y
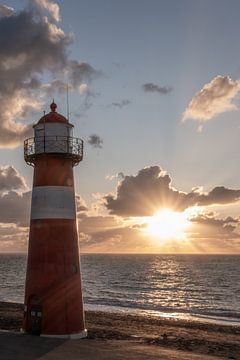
167, 224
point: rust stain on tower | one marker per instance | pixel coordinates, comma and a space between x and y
53, 293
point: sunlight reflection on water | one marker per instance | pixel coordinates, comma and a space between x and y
179, 285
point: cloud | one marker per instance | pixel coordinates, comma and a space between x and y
95, 141
55, 86
34, 45
151, 189
119, 176
153, 88
15, 208
88, 95
6, 11
109, 233
143, 194
51, 7
10, 179
83, 88
121, 104
213, 99
78, 72
13, 238
212, 234
81, 206
219, 195
209, 219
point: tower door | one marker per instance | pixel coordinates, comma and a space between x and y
35, 316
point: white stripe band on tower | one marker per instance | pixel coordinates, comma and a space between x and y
53, 202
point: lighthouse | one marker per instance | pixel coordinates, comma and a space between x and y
53, 294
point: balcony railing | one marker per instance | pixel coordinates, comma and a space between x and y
65, 146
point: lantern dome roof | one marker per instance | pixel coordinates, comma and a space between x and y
53, 116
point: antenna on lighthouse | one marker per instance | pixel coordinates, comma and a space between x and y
67, 103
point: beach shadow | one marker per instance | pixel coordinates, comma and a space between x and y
17, 346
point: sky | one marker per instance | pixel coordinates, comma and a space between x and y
154, 90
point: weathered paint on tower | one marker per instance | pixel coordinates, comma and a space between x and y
53, 293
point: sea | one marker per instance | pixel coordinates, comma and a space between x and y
191, 287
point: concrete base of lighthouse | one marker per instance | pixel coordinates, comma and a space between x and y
81, 335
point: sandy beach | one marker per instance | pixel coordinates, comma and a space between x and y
156, 333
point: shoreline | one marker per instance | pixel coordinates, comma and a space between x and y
178, 334
186, 316
205, 318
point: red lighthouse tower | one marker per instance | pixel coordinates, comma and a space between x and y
53, 294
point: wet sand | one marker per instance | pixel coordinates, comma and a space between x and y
151, 333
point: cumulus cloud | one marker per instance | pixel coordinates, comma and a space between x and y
122, 103
6, 11
151, 189
154, 88
51, 7
10, 179
15, 208
214, 98
219, 195
95, 141
34, 44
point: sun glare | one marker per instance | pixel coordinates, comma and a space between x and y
167, 224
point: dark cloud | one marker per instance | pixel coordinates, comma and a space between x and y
15, 208
107, 234
209, 219
34, 44
122, 103
10, 179
151, 190
78, 72
210, 232
143, 194
153, 88
219, 195
95, 141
